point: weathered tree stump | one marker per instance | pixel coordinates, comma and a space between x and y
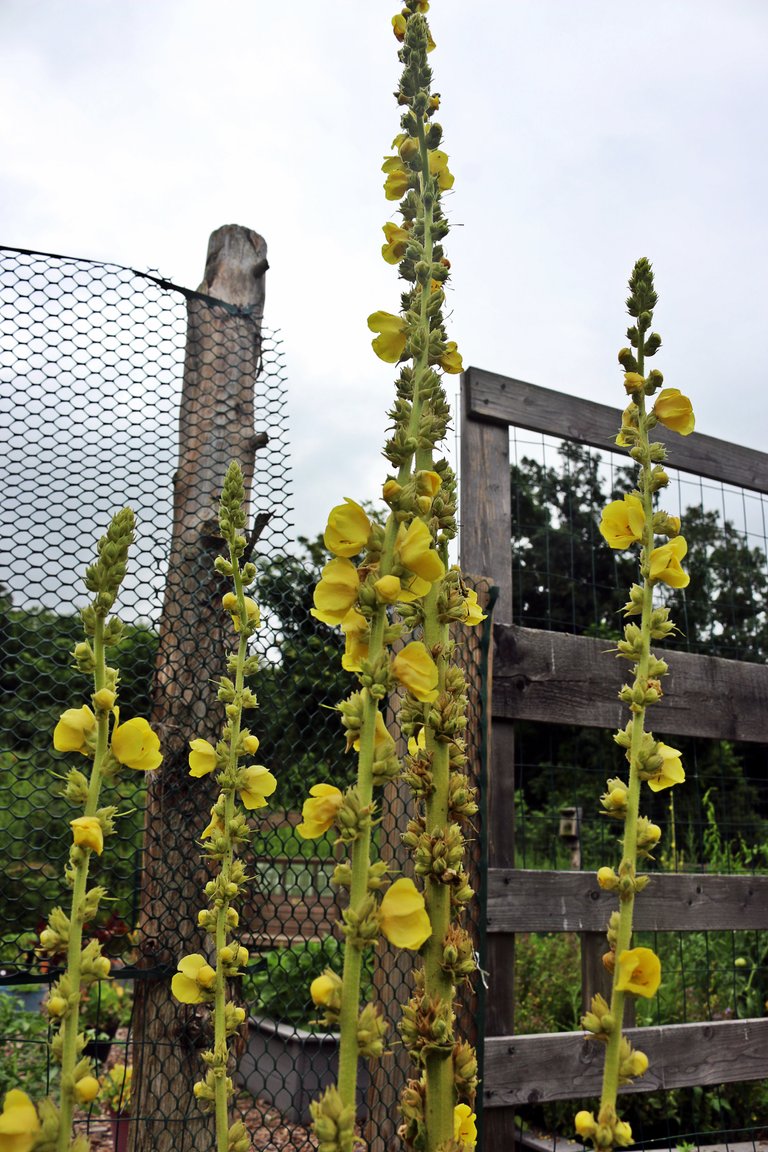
222, 362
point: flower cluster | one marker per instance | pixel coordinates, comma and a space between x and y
94, 733
391, 592
244, 787
635, 520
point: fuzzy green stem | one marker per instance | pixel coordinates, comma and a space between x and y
70, 1024
438, 984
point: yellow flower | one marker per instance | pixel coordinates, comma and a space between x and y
256, 783
671, 771
356, 633
622, 1133
387, 589
585, 1124
337, 591
398, 26
396, 243
629, 419
665, 563
19, 1123
438, 166
320, 812
623, 521
428, 483
389, 345
403, 917
475, 614
202, 757
465, 1127
135, 744
216, 824
416, 670
325, 990
86, 1089
250, 743
71, 732
230, 604
639, 972
381, 734
194, 979
347, 530
88, 833
450, 361
413, 549
397, 181
674, 411
633, 382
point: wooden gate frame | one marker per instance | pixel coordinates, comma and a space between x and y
543, 676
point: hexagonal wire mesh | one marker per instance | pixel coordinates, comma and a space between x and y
91, 366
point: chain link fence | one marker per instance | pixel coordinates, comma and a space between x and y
95, 392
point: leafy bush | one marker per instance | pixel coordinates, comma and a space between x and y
24, 1056
280, 986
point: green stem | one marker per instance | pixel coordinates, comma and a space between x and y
71, 1022
438, 984
629, 855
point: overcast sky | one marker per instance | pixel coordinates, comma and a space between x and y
582, 134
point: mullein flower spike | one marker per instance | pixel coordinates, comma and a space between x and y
204, 979
634, 520
390, 591
84, 731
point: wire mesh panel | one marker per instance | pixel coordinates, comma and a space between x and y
117, 388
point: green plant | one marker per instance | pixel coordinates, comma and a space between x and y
24, 1055
106, 1006
547, 983
280, 987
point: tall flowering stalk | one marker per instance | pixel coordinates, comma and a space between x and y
395, 606
635, 521
94, 732
244, 788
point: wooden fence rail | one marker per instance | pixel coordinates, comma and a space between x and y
556, 678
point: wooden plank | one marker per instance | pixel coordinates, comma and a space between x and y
565, 1065
486, 507
522, 900
502, 400
558, 678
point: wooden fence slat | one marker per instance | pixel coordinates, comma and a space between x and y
506, 401
565, 1065
554, 677
523, 900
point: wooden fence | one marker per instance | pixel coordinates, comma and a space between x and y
552, 677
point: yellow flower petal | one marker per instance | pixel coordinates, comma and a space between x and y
671, 771
256, 783
639, 971
674, 411
475, 614
320, 811
393, 250
416, 671
70, 733
623, 522
337, 591
451, 361
413, 549
665, 563
387, 589
88, 833
389, 345
465, 1127
202, 757
347, 530
19, 1122
403, 917
136, 745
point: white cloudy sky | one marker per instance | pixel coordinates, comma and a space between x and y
582, 133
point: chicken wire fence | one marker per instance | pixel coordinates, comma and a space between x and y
566, 579
92, 362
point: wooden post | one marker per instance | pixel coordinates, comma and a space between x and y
486, 525
222, 362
